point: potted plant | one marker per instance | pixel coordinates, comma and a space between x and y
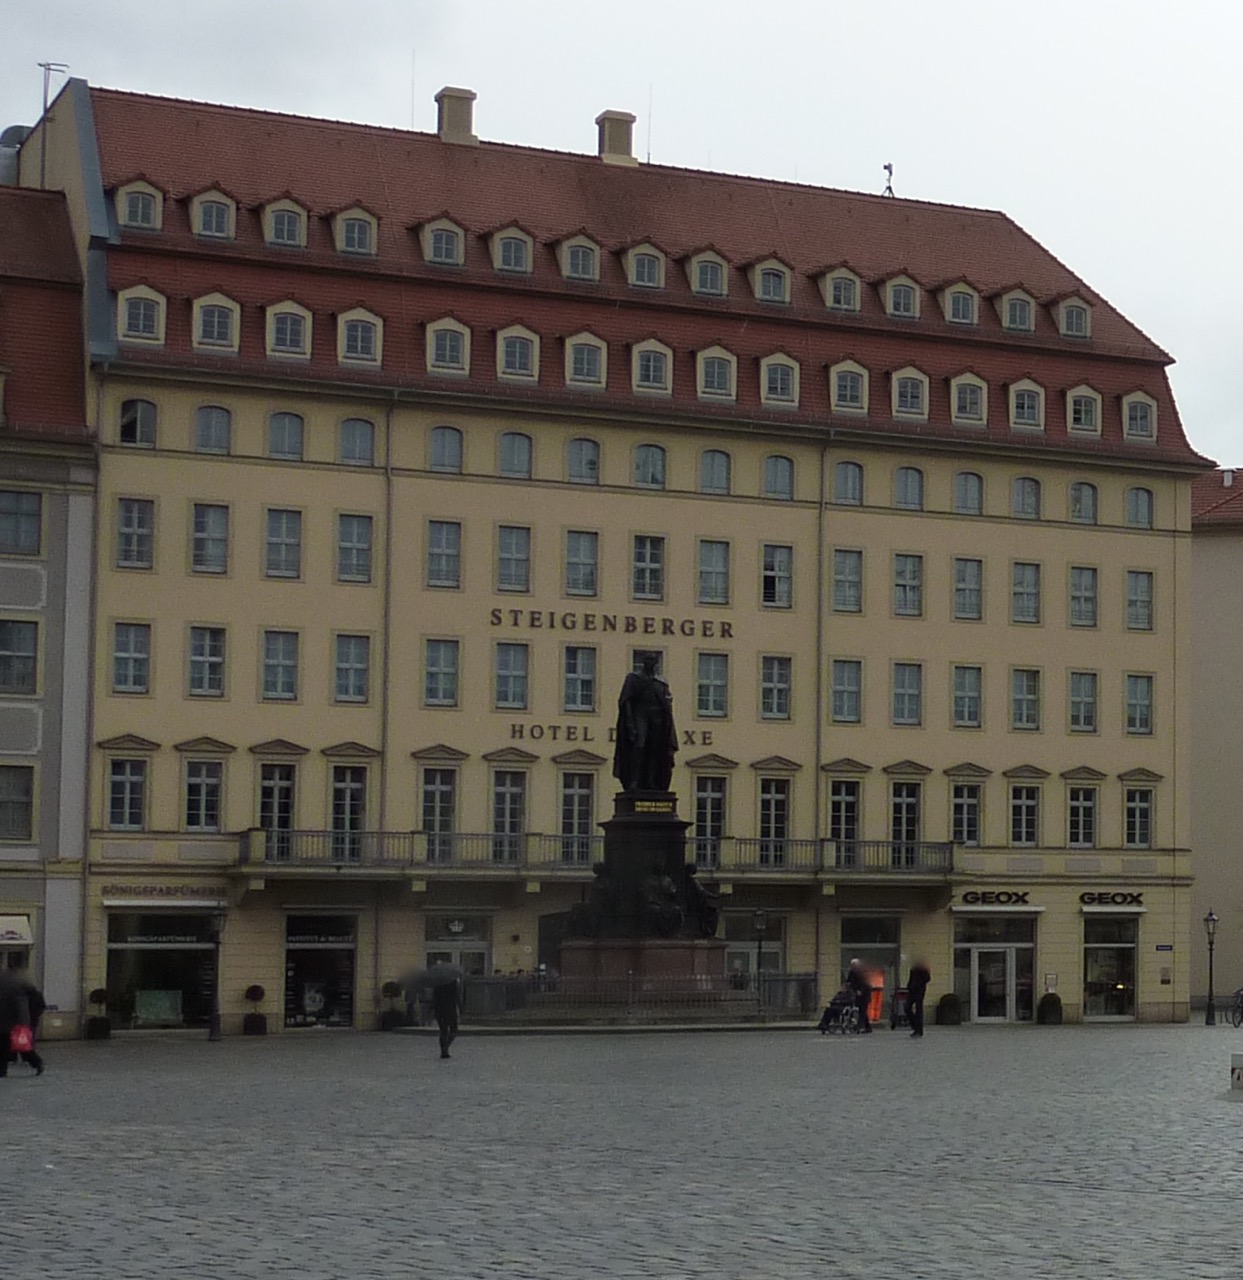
949, 1010
1049, 1010
255, 1023
98, 1026
394, 1016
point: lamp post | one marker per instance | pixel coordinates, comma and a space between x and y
760, 920
1210, 932
213, 1021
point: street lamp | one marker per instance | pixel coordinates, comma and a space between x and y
760, 920
213, 1021
1210, 932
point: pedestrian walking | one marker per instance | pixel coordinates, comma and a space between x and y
916, 987
444, 981
860, 984
14, 1012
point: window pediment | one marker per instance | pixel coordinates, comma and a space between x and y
279, 747
349, 750
712, 761
907, 768
440, 752
128, 742
510, 755
581, 759
1031, 771
846, 764
1083, 773
776, 764
205, 746
967, 770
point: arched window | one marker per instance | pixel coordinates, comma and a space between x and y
1083, 502
582, 461
1139, 508
714, 468
446, 449
518, 356
649, 466
285, 435
908, 489
968, 493
516, 454
717, 377
212, 428
1026, 498
138, 423
216, 326
848, 483
910, 396
778, 477
358, 442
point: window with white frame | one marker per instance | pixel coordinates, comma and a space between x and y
779, 477
961, 307
848, 483
518, 356
1025, 592
444, 553
1024, 815
1024, 698
968, 493
513, 558
965, 809
286, 227
140, 209
19, 650
905, 820
283, 549
716, 376
647, 269
651, 369
215, 327
1139, 506
354, 536
908, 693
1025, 498
580, 678
712, 684
586, 363
509, 814
908, 586
847, 581
446, 449
131, 657
772, 284
21, 522
850, 390
349, 811
902, 299
357, 442
649, 466
780, 381
577, 816
511, 677
581, 261
1026, 406
968, 589
1081, 817
1076, 320
1138, 817
361, 341
515, 455
908, 489
214, 219
210, 538
1082, 699
968, 402
968, 699
285, 436
714, 471
1139, 600
444, 246
277, 787
1139, 704
1139, 417
842, 293
1017, 312
135, 533
127, 794
713, 571
844, 820
289, 333
440, 673
708, 277
1082, 596
777, 576
352, 674
137, 423
847, 692
1083, 502
357, 235
582, 461
775, 687
710, 807
513, 253
447, 349
142, 318
910, 396
774, 820
280, 665
1084, 411
648, 567
207, 662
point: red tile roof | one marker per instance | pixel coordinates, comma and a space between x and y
1217, 498
36, 241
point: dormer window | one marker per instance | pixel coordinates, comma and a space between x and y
285, 224
910, 394
1139, 416
961, 306
586, 361
216, 322
360, 337
141, 315
288, 330
902, 298
443, 243
213, 215
512, 251
650, 368
645, 270
579, 260
1083, 410
779, 381
448, 347
357, 235
1076, 320
141, 206
709, 277
841, 291
968, 399
772, 285
716, 374
848, 387
1017, 312
517, 354
1027, 405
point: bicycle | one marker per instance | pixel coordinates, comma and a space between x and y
1236, 1008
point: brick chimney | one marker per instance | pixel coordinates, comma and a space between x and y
616, 134
455, 110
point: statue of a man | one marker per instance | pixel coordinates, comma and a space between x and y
646, 738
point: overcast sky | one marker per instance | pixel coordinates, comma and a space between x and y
1106, 128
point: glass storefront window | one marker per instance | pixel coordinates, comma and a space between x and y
994, 967
319, 970
161, 969
1109, 950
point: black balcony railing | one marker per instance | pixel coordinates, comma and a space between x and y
549, 854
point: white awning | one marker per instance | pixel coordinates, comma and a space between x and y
159, 907
15, 931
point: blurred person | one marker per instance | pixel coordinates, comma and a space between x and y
916, 988
859, 982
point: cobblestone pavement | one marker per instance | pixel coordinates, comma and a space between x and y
1003, 1153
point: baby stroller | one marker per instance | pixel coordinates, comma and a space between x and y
840, 1014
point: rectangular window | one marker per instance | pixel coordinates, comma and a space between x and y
439, 812
713, 572
1024, 698
19, 647
283, 558
1025, 594
709, 820
511, 676
349, 811
1138, 600
582, 551
203, 786
276, 808
21, 523
844, 820
285, 436
712, 684
17, 802
847, 581
131, 657
580, 678
135, 533
127, 791
585, 363
1139, 704
649, 568
775, 681
965, 813
509, 814
848, 390
207, 662
280, 665
908, 692
1024, 816
777, 576
352, 678
440, 673
1081, 815
1083, 702
908, 585
967, 699
774, 820
968, 589
905, 820
444, 553
1082, 597
210, 550
289, 332
652, 369
513, 558
1139, 817
354, 548
578, 806
448, 349
847, 674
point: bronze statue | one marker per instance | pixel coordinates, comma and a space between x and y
646, 738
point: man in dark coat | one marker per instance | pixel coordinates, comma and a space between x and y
916, 987
446, 1004
14, 1012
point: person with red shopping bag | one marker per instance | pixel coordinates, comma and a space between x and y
35, 1007
14, 1018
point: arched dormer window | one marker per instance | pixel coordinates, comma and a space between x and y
1027, 405
909, 393
968, 400
652, 367
779, 380
284, 224
288, 330
848, 387
360, 338
213, 215
1139, 417
707, 273
443, 243
216, 321
517, 354
586, 361
842, 289
355, 231
448, 347
513, 251
579, 258
140, 206
645, 267
718, 374
141, 315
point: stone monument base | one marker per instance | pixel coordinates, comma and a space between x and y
672, 965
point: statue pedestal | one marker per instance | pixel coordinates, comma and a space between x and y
644, 839
627, 967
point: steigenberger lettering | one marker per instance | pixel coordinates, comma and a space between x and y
629, 624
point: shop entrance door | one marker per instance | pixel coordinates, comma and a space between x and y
468, 956
992, 985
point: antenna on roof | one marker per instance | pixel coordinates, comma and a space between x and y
48, 67
412, 68
888, 191
649, 122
